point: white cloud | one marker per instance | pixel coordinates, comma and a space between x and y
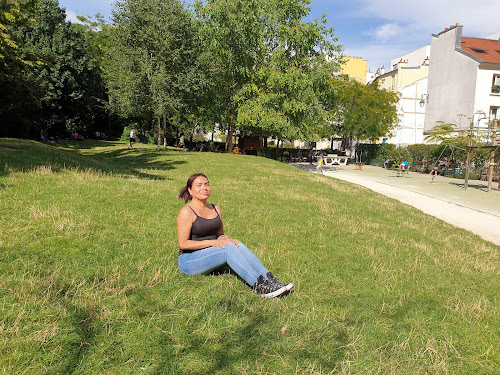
71, 16
377, 55
405, 26
387, 31
88, 7
479, 17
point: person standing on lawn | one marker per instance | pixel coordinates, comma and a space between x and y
132, 137
203, 246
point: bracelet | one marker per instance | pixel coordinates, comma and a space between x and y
222, 236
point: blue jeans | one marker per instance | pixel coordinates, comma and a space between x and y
239, 258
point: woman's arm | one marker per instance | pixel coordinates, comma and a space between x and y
220, 234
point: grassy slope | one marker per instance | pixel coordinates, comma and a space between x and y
90, 282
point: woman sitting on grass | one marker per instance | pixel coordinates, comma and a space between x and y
203, 247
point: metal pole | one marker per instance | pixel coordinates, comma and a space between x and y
467, 165
490, 170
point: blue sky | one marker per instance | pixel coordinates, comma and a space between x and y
376, 30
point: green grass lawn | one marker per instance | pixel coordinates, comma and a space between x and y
89, 280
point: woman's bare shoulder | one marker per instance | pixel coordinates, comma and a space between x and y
185, 212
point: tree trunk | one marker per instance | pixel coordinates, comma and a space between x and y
230, 130
159, 134
164, 132
229, 140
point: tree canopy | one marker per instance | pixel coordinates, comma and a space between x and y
361, 111
242, 66
270, 65
48, 71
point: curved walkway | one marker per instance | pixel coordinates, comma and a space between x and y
474, 209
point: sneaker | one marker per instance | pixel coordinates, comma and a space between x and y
275, 280
267, 288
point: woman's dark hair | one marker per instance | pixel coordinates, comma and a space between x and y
184, 193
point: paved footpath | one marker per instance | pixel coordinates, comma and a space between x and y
474, 209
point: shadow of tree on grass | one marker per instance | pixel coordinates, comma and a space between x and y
23, 155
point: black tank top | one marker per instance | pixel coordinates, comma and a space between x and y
203, 229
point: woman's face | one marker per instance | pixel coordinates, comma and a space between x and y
200, 188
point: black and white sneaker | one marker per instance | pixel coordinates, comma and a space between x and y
267, 288
275, 280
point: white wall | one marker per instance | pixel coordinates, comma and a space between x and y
452, 80
414, 58
484, 98
410, 129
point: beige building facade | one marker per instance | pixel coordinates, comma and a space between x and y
408, 78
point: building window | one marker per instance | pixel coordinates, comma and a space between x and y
494, 113
495, 87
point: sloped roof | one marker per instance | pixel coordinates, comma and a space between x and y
486, 50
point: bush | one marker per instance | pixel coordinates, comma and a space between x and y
398, 155
384, 150
268, 152
424, 152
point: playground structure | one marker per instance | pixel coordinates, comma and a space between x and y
479, 138
483, 138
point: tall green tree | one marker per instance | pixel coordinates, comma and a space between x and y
233, 31
154, 69
19, 81
71, 79
270, 65
362, 112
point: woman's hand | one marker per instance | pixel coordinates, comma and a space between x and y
223, 240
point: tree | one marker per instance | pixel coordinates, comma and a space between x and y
360, 111
154, 68
288, 84
19, 82
71, 78
442, 132
270, 65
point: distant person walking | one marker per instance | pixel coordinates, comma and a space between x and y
132, 137
319, 167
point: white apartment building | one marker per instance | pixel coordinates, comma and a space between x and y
408, 78
464, 79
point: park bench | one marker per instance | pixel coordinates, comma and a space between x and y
485, 172
422, 166
400, 172
496, 173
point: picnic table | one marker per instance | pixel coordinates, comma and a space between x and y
333, 159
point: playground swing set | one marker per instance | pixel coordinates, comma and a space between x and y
436, 170
492, 142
